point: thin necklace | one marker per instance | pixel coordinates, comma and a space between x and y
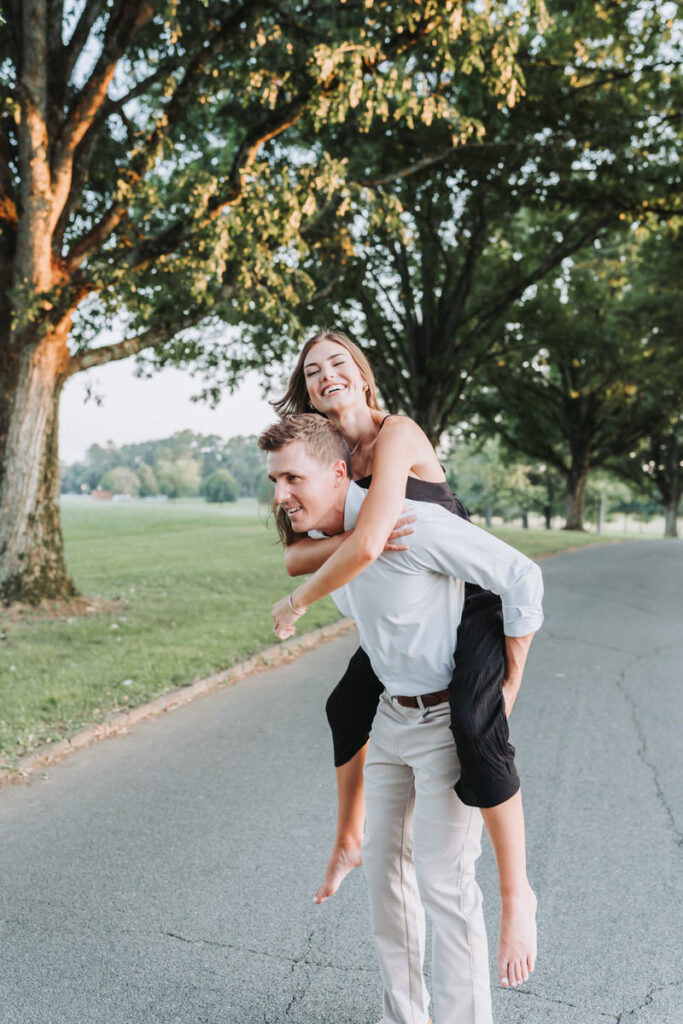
355, 448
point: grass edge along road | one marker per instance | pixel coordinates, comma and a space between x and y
183, 589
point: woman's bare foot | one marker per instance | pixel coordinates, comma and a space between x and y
345, 857
517, 942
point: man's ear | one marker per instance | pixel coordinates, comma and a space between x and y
339, 471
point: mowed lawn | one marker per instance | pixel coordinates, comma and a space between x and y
193, 585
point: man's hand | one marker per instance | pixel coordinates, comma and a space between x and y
401, 529
284, 619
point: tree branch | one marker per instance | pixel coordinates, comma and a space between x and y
152, 338
144, 158
168, 240
79, 37
459, 290
419, 165
124, 23
485, 314
165, 68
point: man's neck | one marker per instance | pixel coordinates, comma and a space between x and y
333, 521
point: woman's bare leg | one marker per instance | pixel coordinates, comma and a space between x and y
517, 940
346, 852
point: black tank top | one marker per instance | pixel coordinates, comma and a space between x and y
436, 492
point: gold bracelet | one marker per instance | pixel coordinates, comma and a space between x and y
291, 605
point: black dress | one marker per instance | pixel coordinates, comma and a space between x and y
478, 720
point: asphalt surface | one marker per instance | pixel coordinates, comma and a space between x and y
168, 875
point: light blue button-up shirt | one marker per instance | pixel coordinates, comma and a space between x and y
407, 605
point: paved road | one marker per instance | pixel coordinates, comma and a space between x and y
167, 876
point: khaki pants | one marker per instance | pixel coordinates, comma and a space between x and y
420, 846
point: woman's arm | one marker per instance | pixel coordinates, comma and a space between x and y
307, 555
399, 446
516, 650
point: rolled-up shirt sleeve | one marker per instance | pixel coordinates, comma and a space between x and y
454, 547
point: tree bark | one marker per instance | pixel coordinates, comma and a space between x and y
576, 485
671, 517
32, 565
673, 497
550, 497
601, 513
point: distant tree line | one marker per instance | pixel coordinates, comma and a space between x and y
486, 473
184, 465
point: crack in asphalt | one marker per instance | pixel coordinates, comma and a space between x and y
300, 992
647, 1001
295, 961
560, 1002
642, 752
581, 641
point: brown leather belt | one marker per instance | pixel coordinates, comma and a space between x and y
428, 699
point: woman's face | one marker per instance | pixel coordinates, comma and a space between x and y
333, 380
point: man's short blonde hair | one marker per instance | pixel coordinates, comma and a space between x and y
321, 439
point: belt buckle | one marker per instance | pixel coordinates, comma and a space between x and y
425, 708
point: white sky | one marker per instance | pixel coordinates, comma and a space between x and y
135, 409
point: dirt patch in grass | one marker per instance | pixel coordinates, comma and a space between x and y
77, 607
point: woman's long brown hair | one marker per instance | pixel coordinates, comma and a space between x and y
295, 398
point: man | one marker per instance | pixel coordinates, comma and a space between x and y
421, 842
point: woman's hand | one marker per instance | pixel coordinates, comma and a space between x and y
516, 650
401, 529
284, 619
511, 687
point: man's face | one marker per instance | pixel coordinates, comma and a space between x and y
311, 493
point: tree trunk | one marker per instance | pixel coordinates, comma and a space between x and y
672, 493
32, 562
576, 485
488, 515
550, 498
525, 520
601, 513
671, 517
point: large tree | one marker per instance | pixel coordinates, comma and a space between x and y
424, 267
655, 464
134, 188
655, 468
586, 369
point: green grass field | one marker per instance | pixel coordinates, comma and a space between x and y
193, 585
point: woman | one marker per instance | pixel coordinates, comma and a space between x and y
333, 377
